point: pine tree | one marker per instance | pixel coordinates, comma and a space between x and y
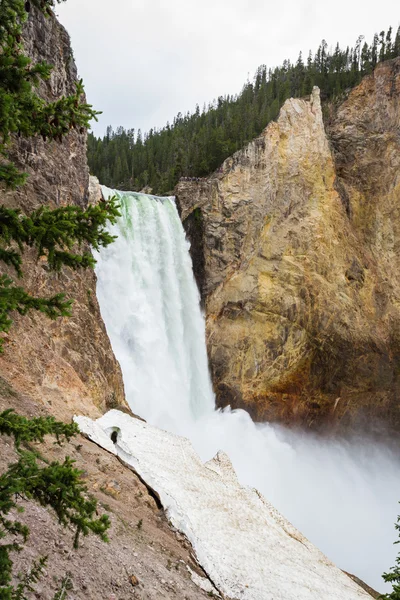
58, 235
55, 485
389, 47
374, 51
396, 48
61, 236
196, 144
393, 577
382, 51
365, 59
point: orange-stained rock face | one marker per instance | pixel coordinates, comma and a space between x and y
300, 241
66, 364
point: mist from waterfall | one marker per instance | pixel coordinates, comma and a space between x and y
341, 494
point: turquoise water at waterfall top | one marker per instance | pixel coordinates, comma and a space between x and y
341, 494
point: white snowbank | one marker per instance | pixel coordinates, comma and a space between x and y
248, 549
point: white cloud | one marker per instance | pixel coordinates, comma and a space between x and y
143, 61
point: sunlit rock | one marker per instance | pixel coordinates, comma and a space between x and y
296, 248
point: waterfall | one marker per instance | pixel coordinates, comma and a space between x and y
341, 494
150, 305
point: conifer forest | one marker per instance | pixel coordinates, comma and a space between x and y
196, 144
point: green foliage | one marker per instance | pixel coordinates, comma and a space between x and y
66, 586
16, 298
22, 111
393, 576
54, 234
55, 485
28, 580
34, 429
196, 144
60, 236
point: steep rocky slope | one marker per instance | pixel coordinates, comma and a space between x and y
296, 249
69, 363
145, 558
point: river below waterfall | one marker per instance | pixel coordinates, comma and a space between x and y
341, 494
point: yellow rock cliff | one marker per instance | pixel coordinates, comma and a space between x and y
298, 236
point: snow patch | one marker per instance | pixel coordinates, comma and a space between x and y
94, 432
203, 583
246, 547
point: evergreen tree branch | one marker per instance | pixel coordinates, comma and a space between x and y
34, 429
30, 579
51, 232
393, 576
58, 486
16, 298
66, 585
12, 259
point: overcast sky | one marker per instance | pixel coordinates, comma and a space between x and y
143, 61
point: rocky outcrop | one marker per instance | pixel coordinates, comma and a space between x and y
300, 243
68, 363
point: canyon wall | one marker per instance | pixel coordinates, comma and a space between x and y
296, 246
67, 364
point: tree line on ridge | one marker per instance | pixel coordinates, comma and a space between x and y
195, 144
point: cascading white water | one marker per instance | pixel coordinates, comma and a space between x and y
341, 494
150, 307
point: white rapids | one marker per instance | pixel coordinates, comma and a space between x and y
342, 494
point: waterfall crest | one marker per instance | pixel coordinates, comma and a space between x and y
342, 494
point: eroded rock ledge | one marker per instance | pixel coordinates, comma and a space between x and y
298, 244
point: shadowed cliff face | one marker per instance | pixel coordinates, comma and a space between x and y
301, 246
67, 363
